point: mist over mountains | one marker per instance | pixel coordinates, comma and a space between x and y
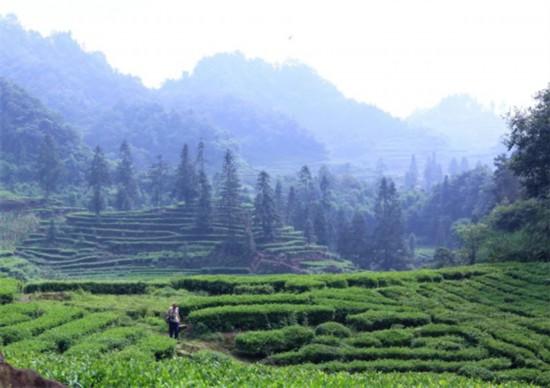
230, 101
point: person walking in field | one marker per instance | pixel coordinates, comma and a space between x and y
173, 320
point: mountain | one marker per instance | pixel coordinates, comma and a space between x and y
108, 106
24, 123
68, 80
351, 130
463, 121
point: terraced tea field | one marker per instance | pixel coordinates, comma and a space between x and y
163, 241
470, 326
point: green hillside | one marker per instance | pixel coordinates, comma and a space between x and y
465, 326
165, 241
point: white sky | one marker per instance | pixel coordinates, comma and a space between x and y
397, 54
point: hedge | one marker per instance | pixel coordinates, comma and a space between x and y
263, 316
117, 288
263, 343
320, 353
8, 289
375, 320
201, 302
334, 329
389, 337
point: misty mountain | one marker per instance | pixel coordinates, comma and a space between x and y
24, 124
108, 106
68, 80
350, 129
464, 122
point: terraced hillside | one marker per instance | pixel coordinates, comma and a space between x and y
490, 323
163, 241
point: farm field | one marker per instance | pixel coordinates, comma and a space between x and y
484, 325
161, 242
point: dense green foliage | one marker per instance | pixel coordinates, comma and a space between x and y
484, 322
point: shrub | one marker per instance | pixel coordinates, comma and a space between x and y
117, 288
375, 320
8, 288
390, 337
266, 316
254, 289
329, 340
474, 371
303, 284
201, 302
333, 329
263, 343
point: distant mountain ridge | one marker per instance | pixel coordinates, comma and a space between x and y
104, 104
273, 115
462, 120
349, 129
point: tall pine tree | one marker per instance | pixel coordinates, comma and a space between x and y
279, 203
411, 177
185, 189
389, 248
158, 176
203, 220
126, 183
265, 212
98, 179
48, 166
230, 193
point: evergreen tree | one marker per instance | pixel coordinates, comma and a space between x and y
265, 214
506, 185
230, 190
126, 182
279, 203
309, 231
389, 248
320, 225
158, 176
185, 189
464, 165
358, 240
98, 179
203, 219
48, 166
454, 169
343, 234
411, 177
433, 173
305, 198
291, 212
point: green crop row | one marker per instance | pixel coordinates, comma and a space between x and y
214, 370
54, 316
119, 288
108, 340
266, 342
262, 316
200, 302
317, 353
384, 319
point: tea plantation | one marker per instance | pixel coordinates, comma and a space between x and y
164, 241
484, 325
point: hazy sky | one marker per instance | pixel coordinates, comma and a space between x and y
399, 55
